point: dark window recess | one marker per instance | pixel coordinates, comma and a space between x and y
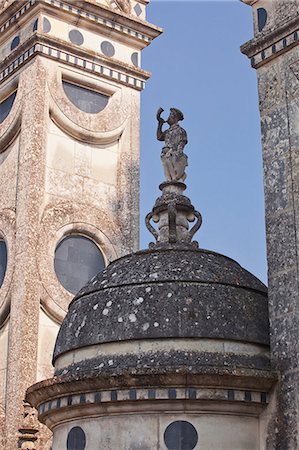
192, 393
247, 396
151, 394
231, 394
77, 260
172, 393
88, 101
180, 435
76, 439
108, 49
76, 37
261, 18
6, 105
46, 25
3, 261
113, 395
133, 394
284, 43
134, 59
273, 48
15, 42
35, 25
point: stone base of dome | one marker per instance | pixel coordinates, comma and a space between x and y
153, 430
141, 407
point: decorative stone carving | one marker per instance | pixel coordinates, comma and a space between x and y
4, 4
173, 211
173, 157
125, 5
29, 429
122, 5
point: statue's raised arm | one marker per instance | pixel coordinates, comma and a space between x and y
173, 158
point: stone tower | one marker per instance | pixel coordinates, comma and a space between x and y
167, 348
274, 53
70, 84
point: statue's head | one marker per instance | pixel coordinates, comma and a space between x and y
175, 116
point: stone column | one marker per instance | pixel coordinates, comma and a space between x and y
274, 52
25, 293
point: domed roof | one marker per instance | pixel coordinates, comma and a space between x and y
167, 293
172, 308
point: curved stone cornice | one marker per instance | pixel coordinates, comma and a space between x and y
7, 232
10, 127
104, 127
80, 133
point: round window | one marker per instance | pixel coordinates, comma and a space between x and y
76, 439
180, 435
77, 260
3, 260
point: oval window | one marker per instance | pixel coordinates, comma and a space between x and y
107, 48
134, 59
180, 435
76, 37
77, 260
15, 42
3, 260
261, 18
6, 106
76, 439
86, 100
46, 25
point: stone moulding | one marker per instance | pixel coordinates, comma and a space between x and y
128, 26
266, 47
239, 392
11, 126
200, 394
83, 135
115, 72
7, 232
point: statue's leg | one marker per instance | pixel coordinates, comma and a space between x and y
171, 168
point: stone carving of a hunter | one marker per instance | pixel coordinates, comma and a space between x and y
173, 157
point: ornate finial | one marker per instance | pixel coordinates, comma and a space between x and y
173, 211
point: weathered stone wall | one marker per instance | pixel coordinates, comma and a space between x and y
63, 171
274, 52
145, 431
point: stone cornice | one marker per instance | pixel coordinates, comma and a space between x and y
115, 70
129, 27
267, 46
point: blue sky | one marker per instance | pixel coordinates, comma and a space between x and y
197, 67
